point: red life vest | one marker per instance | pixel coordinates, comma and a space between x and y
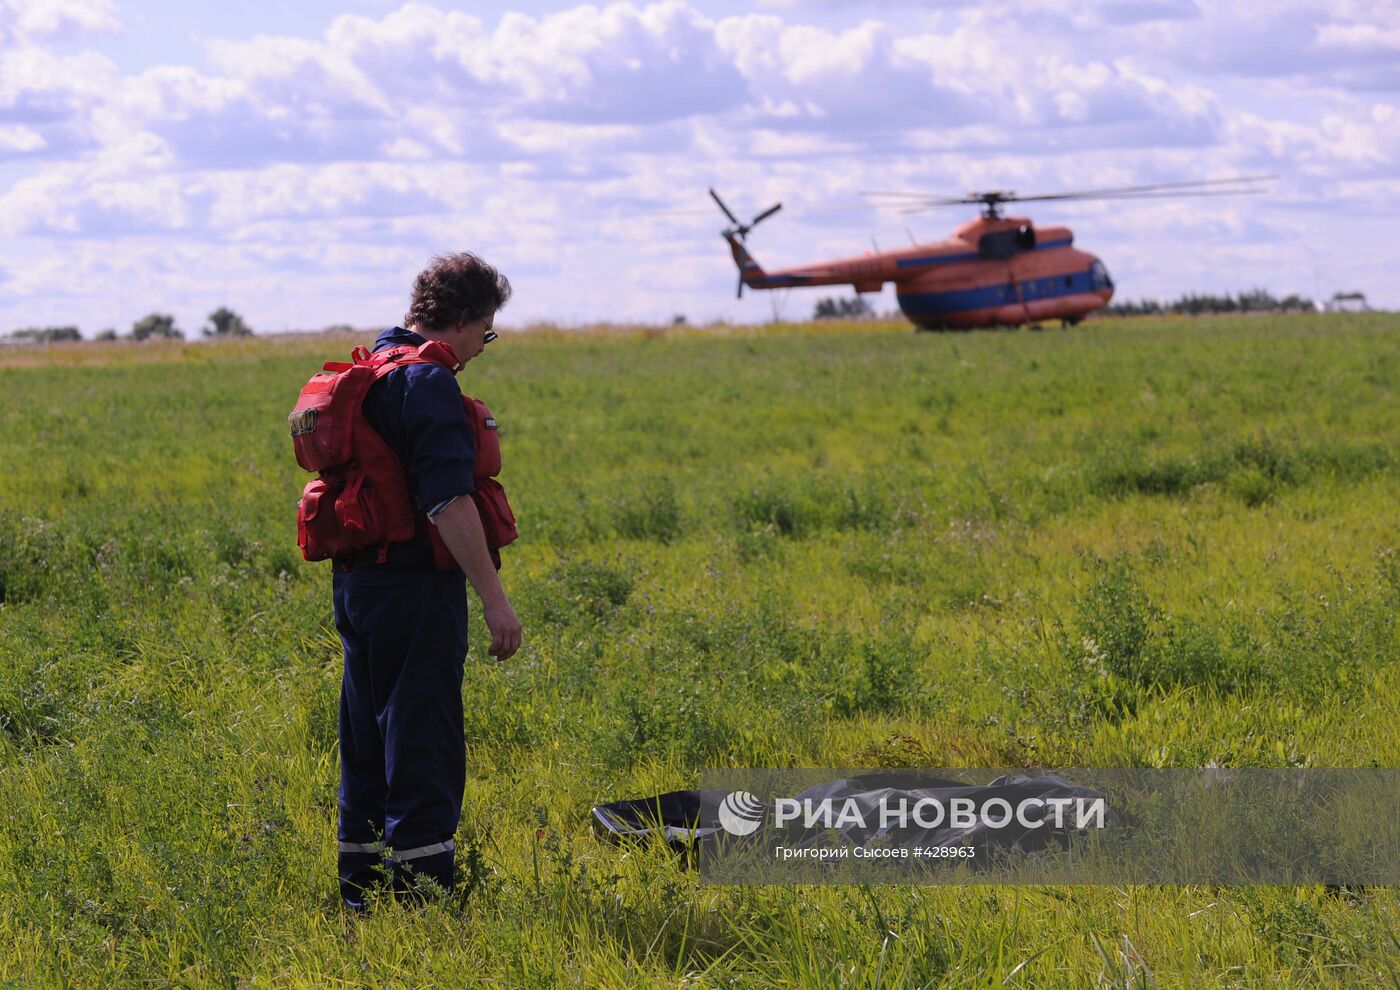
360, 497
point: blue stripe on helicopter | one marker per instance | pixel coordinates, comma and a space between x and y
776, 281
1000, 294
948, 259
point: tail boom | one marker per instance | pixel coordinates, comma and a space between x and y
753, 275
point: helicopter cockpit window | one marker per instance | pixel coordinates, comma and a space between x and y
999, 244
1002, 244
1098, 275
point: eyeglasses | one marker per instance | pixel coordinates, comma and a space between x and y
490, 334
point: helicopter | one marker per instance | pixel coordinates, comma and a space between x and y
995, 270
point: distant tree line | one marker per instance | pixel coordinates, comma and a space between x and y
45, 335
836, 309
1193, 304
222, 323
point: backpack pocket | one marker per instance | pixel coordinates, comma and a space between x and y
497, 521
318, 531
340, 515
485, 436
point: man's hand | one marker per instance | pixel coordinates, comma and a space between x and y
460, 526
505, 630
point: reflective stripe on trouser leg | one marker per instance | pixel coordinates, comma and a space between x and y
361, 847
436, 862
418, 852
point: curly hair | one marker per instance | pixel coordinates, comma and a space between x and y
455, 288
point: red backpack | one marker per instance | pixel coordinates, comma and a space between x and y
360, 497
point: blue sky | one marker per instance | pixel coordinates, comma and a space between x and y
300, 161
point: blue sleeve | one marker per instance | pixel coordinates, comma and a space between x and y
440, 456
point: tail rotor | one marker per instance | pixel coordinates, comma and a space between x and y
736, 232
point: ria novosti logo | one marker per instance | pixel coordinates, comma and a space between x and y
741, 813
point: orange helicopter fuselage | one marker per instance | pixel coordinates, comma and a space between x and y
993, 271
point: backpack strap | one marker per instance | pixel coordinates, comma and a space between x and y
392, 358
347, 505
441, 353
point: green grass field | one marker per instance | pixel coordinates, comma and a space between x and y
1137, 543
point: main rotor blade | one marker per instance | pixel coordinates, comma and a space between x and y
1185, 194
933, 200
949, 200
732, 218
1163, 194
1152, 187
1159, 189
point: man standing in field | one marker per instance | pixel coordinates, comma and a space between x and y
403, 620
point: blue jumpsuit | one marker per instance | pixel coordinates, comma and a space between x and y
403, 626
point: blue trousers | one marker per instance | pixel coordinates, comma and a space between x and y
402, 753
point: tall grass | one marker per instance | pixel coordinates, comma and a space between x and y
1144, 543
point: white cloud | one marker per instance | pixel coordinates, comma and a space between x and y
406, 149
70, 201
52, 99
618, 63
19, 138
860, 79
47, 19
296, 75
1342, 43
1360, 37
